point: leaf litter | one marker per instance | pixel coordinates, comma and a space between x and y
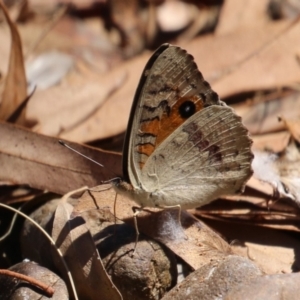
254, 66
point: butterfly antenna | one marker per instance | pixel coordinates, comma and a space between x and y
69, 147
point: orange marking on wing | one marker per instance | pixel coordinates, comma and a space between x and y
151, 127
146, 149
169, 123
163, 127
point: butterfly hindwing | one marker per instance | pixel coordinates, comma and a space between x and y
208, 156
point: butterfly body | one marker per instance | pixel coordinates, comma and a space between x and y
183, 146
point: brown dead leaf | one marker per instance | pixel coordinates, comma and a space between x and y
275, 142
259, 211
293, 126
15, 89
271, 64
262, 116
236, 15
4, 51
113, 116
77, 246
69, 110
271, 249
41, 162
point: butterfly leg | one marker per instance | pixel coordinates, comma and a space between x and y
136, 211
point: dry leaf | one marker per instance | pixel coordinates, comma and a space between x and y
262, 117
237, 15
132, 19
41, 162
271, 64
68, 110
292, 125
270, 249
274, 142
77, 245
15, 89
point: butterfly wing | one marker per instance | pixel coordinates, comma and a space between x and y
208, 156
169, 80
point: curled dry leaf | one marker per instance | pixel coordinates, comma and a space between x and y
15, 89
12, 288
281, 168
76, 243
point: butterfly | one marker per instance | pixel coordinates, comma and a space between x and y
184, 146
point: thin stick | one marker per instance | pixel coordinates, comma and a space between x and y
46, 288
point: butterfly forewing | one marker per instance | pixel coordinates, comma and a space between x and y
170, 79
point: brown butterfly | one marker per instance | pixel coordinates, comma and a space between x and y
184, 146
